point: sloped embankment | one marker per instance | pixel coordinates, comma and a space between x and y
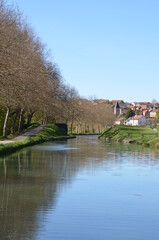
48, 133
129, 134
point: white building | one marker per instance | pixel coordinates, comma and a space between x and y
139, 120
119, 122
153, 113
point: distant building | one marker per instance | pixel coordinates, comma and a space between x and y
156, 105
139, 120
117, 109
121, 102
143, 105
124, 110
153, 113
146, 113
119, 122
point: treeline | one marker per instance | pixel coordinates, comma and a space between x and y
95, 117
31, 85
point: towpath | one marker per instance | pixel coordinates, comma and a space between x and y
24, 136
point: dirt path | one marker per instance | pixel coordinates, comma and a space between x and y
26, 135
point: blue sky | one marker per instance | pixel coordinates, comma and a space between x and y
104, 48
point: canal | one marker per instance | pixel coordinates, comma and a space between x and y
81, 188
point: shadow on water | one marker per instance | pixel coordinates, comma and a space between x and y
32, 180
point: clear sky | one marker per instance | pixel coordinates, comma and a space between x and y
104, 48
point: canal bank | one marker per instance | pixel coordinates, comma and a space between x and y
42, 133
130, 134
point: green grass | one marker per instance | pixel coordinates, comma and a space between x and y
48, 133
139, 135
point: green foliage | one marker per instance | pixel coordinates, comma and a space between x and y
157, 115
130, 113
37, 117
137, 112
50, 131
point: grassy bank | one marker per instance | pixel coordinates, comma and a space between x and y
85, 134
48, 133
129, 134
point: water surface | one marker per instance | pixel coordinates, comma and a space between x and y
82, 189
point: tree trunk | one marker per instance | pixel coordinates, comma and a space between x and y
5, 126
30, 115
21, 120
71, 124
98, 129
44, 120
71, 127
80, 127
14, 123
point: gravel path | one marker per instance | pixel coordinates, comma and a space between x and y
26, 135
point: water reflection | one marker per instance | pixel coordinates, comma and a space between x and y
35, 180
